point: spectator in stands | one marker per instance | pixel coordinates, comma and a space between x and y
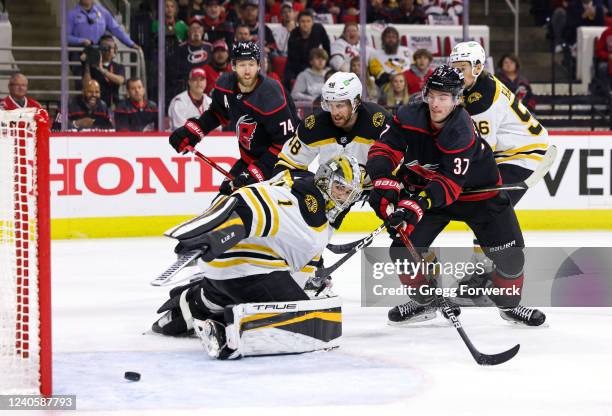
194, 53
394, 93
242, 33
87, 111
191, 102
175, 28
508, 73
371, 87
249, 15
419, 71
87, 22
345, 48
310, 81
18, 94
392, 59
282, 31
409, 13
268, 69
183, 10
136, 113
109, 74
603, 71
452, 8
306, 36
219, 63
215, 24
377, 12
569, 16
197, 9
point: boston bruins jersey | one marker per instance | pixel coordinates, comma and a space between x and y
287, 230
318, 136
505, 123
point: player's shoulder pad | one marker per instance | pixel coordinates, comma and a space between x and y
268, 98
316, 127
310, 200
226, 82
374, 117
458, 133
482, 96
413, 117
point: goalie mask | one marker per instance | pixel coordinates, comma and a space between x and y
340, 180
340, 87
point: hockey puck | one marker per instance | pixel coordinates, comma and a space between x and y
132, 376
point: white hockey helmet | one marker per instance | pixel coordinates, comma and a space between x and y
471, 52
342, 86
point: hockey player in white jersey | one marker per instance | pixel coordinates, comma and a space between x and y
519, 141
346, 126
252, 242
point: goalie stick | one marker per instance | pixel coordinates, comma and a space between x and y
183, 261
481, 358
536, 176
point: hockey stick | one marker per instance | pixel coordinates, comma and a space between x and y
210, 163
481, 358
323, 272
183, 261
537, 175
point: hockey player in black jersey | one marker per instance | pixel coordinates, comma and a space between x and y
263, 114
439, 153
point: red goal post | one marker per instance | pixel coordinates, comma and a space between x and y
25, 287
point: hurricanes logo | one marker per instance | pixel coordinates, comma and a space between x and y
245, 130
311, 203
309, 122
378, 119
473, 97
199, 56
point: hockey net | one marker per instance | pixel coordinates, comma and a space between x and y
25, 306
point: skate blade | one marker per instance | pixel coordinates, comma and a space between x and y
421, 318
522, 324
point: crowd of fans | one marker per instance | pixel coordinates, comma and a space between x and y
200, 34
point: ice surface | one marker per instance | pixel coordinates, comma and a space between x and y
103, 306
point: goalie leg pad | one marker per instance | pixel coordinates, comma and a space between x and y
214, 216
274, 328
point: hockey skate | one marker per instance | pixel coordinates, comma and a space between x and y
523, 315
469, 284
411, 312
213, 338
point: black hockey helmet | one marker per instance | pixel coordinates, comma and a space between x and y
447, 79
245, 51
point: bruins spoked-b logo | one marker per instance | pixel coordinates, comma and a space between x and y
309, 122
311, 203
378, 119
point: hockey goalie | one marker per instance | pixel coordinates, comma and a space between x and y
246, 300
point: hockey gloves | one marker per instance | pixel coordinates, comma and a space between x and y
408, 213
251, 175
385, 192
188, 135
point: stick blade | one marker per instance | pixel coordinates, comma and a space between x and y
495, 359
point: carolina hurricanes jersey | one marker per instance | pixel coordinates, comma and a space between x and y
390, 63
505, 123
264, 118
318, 136
287, 227
440, 162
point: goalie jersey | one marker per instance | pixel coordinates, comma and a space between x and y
287, 230
505, 123
318, 136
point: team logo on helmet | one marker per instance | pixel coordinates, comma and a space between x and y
309, 122
245, 130
473, 97
311, 203
378, 119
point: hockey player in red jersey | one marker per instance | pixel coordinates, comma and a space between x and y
17, 98
263, 114
437, 153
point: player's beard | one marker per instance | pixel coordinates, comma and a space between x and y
248, 84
